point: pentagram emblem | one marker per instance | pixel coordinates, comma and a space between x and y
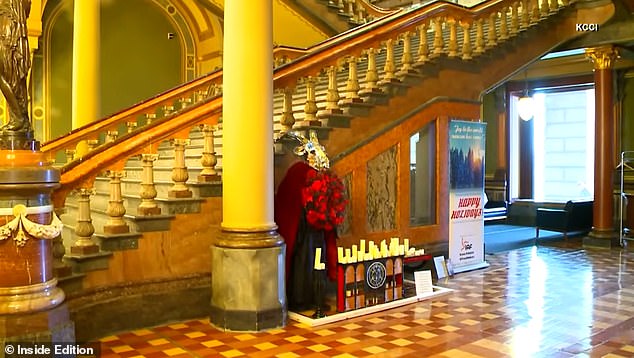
376, 275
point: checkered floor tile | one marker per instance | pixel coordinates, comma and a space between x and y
546, 301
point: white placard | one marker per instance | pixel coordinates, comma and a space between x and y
422, 279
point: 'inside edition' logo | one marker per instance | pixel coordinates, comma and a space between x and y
586, 27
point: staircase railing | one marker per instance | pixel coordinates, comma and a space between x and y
440, 29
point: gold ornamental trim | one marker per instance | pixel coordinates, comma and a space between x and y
23, 225
602, 57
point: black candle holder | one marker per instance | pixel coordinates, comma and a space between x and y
319, 293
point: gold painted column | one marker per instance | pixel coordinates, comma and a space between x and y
248, 287
603, 232
85, 102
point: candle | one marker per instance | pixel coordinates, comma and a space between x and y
348, 257
406, 242
340, 257
317, 258
362, 246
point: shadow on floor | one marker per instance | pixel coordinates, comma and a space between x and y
503, 237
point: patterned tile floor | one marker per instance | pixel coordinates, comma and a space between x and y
546, 301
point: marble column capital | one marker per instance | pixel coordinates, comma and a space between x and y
602, 57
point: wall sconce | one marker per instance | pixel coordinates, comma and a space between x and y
526, 104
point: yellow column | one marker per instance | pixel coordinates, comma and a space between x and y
247, 164
86, 29
248, 291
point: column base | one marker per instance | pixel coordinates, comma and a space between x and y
49, 326
248, 289
31, 298
605, 238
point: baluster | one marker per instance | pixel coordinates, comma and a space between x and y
84, 229
466, 40
111, 136
352, 84
60, 268
310, 107
115, 210
534, 11
491, 38
525, 15
452, 48
543, 9
168, 109
438, 40
565, 2
353, 6
504, 33
70, 155
92, 144
179, 172
148, 192
131, 126
288, 120
423, 48
200, 95
361, 17
479, 41
406, 59
553, 6
212, 90
185, 102
215, 90
340, 5
332, 96
208, 159
514, 18
349, 8
371, 75
389, 67
149, 117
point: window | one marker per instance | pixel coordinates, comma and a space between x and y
562, 147
423, 176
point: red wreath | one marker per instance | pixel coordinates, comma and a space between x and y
324, 200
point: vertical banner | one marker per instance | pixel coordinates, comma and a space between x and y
466, 195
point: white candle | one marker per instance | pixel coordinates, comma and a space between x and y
362, 246
406, 241
317, 258
340, 257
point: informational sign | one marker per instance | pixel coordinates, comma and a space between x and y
466, 194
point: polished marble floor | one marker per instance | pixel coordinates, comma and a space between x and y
559, 300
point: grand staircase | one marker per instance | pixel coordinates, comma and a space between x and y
144, 202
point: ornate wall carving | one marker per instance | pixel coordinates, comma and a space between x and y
381, 191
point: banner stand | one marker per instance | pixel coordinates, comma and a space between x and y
466, 195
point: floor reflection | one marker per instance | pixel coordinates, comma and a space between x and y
548, 301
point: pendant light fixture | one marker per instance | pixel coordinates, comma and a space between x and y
525, 104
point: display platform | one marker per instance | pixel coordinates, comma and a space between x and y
331, 315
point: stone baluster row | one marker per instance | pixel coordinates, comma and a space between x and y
444, 35
84, 243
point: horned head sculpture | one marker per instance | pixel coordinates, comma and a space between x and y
309, 148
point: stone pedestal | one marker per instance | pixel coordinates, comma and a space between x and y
29, 297
248, 282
